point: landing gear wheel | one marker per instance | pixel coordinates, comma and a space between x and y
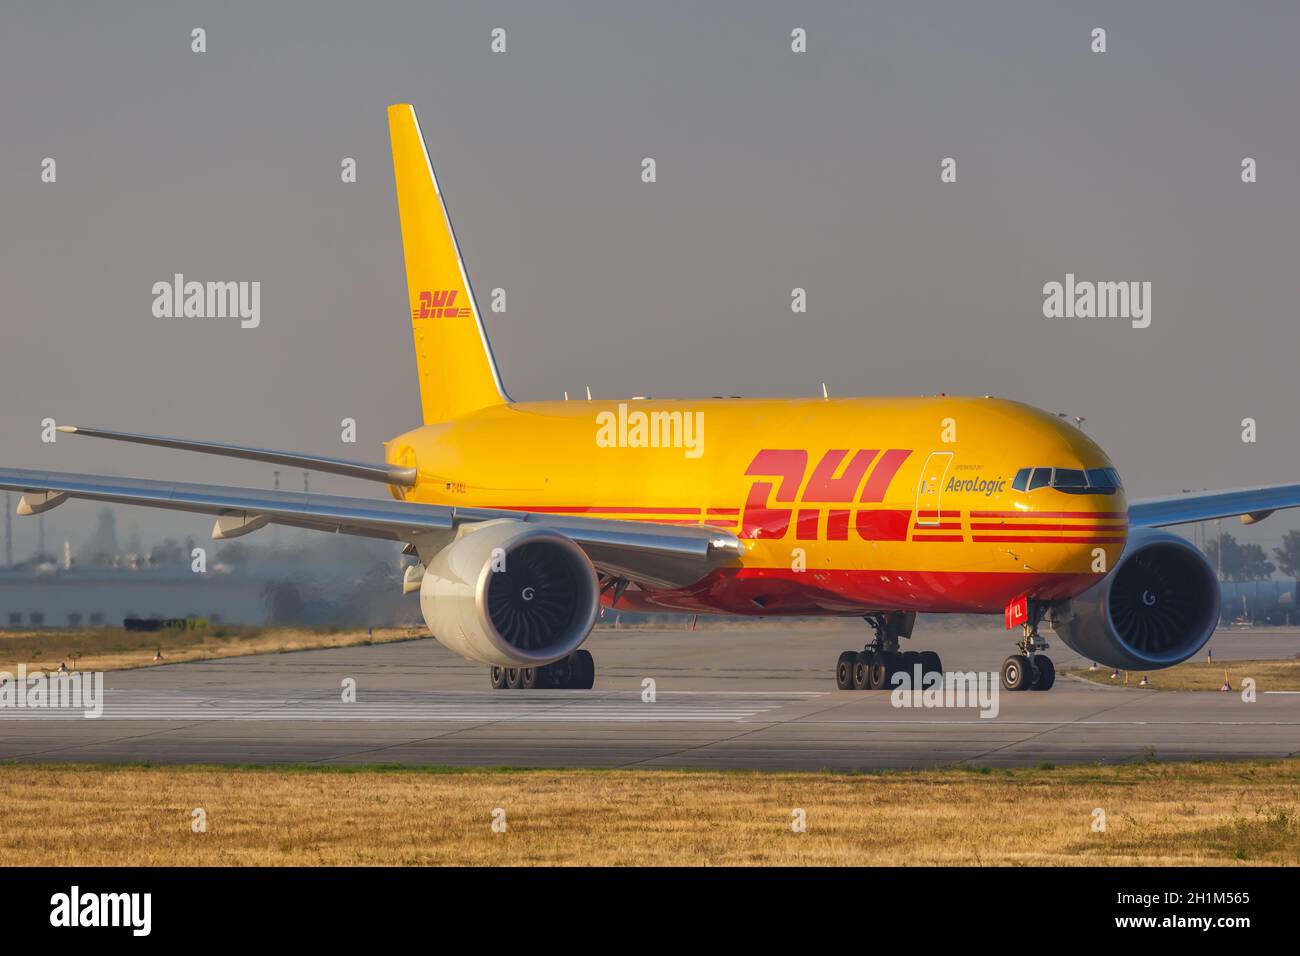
930, 664
882, 669
844, 670
582, 670
513, 676
861, 671
497, 677
555, 674
1044, 673
530, 677
1016, 672
907, 662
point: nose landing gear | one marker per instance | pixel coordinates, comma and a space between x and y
1030, 670
874, 667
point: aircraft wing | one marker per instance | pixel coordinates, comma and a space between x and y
389, 474
1252, 504
655, 555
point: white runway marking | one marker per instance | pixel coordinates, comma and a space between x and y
470, 706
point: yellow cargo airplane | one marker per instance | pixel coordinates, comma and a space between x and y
526, 517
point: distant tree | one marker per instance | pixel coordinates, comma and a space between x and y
1255, 565
1225, 555
236, 554
1288, 556
168, 554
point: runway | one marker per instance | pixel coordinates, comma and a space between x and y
744, 698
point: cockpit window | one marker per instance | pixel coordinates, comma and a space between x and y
1104, 480
1069, 478
1072, 481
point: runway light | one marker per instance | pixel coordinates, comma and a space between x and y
1114, 675
1144, 682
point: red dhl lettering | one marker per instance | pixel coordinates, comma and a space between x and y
832, 482
439, 305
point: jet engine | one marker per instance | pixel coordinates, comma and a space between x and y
510, 593
1157, 606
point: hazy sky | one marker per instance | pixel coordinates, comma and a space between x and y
775, 170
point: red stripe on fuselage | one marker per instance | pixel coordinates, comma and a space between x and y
593, 509
1097, 515
783, 591
1038, 526
1049, 539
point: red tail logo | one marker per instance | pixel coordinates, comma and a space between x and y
439, 305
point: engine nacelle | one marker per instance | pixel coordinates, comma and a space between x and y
510, 593
1157, 606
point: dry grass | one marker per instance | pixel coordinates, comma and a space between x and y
1198, 675
1155, 813
110, 649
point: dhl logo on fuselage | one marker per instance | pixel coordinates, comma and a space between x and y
439, 305
829, 484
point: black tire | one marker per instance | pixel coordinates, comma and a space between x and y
513, 677
930, 664
530, 678
497, 677
862, 671
844, 670
1044, 673
555, 674
882, 669
582, 670
907, 664
1016, 673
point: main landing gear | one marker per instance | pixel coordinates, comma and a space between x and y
874, 667
575, 672
1030, 670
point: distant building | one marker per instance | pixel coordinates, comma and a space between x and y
104, 597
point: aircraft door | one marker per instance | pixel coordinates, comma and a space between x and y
929, 488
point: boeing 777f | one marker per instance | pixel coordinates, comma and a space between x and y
526, 517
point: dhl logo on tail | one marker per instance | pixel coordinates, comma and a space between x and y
439, 305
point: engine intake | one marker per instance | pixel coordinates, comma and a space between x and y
509, 593
1157, 607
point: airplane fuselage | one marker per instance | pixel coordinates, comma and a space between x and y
844, 506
